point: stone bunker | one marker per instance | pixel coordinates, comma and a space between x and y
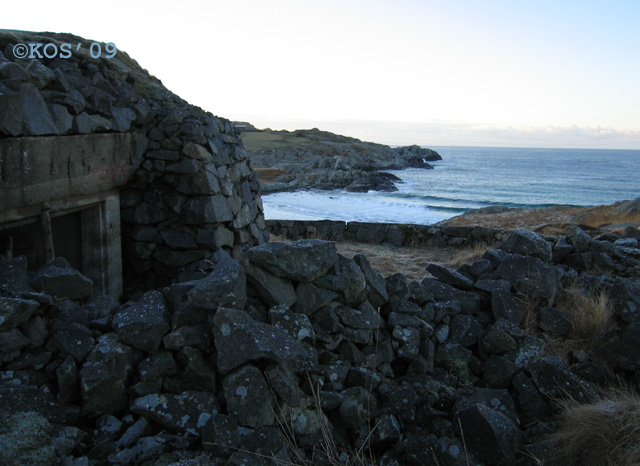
101, 164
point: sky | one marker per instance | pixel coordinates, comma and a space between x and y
559, 73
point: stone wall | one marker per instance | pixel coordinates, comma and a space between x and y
189, 192
295, 333
395, 234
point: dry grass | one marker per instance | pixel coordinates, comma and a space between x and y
549, 220
410, 261
604, 433
256, 140
592, 318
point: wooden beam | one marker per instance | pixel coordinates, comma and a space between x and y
47, 236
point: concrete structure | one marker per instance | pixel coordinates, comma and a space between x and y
60, 197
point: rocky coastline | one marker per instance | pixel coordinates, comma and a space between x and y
314, 159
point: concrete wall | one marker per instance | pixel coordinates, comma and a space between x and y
76, 180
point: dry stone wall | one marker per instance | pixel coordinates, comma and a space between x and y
438, 371
395, 234
192, 193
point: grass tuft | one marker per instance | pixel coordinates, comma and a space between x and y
603, 433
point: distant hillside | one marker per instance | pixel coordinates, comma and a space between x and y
315, 159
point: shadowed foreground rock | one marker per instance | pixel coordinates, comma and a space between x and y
433, 372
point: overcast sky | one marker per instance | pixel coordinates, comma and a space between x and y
559, 73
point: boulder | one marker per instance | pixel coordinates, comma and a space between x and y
143, 324
531, 277
302, 261
248, 397
186, 412
224, 287
238, 339
489, 434
59, 280
527, 243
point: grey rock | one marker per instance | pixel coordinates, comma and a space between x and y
185, 412
143, 324
527, 243
15, 312
61, 117
272, 289
365, 317
104, 375
623, 348
376, 284
310, 298
134, 432
578, 240
72, 339
346, 279
297, 325
505, 306
450, 277
238, 339
36, 118
63, 282
398, 286
626, 299
466, 330
357, 407
67, 377
529, 349
225, 286
302, 261
219, 434
284, 383
207, 209
196, 369
13, 340
248, 397
490, 435
194, 336
499, 372
555, 381
531, 277
470, 303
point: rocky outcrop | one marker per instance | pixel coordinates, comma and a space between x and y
314, 159
296, 333
192, 194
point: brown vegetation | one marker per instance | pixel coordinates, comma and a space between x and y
604, 433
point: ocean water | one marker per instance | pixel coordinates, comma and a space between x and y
474, 177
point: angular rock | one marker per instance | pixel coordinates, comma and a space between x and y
490, 435
184, 412
527, 243
578, 240
196, 369
450, 277
248, 397
555, 381
531, 277
143, 324
303, 261
376, 284
297, 325
219, 434
555, 322
310, 298
104, 375
62, 281
272, 289
626, 299
15, 312
238, 339
225, 286
505, 306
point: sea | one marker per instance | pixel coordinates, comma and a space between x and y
470, 178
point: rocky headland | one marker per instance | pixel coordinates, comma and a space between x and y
314, 159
